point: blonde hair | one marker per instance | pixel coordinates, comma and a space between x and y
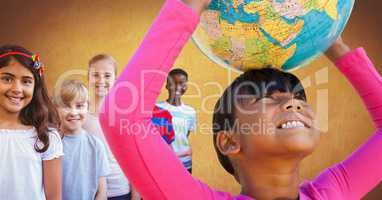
68, 91
106, 57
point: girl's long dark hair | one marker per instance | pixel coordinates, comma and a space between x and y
40, 112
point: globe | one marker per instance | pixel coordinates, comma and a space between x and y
247, 34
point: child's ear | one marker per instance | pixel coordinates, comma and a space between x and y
228, 143
167, 85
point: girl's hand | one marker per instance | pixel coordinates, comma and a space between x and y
197, 5
337, 50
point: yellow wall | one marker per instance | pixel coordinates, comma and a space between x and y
68, 32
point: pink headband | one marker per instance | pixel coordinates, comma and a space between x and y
37, 64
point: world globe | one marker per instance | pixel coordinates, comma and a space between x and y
247, 34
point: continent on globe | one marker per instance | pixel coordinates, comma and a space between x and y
288, 8
210, 24
329, 6
273, 23
244, 45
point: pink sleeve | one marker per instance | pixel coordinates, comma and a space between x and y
144, 157
362, 171
360, 71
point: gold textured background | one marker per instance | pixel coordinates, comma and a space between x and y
67, 33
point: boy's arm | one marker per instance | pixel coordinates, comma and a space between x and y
184, 153
134, 194
101, 192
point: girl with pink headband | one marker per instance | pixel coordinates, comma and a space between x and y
30, 146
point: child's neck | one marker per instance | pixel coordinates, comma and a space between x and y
277, 180
175, 101
11, 121
65, 131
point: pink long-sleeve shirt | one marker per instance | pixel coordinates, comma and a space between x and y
155, 170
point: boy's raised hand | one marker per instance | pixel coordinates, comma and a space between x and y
197, 5
337, 50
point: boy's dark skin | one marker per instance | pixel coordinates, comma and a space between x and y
176, 86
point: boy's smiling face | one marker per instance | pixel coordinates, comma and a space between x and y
176, 85
73, 116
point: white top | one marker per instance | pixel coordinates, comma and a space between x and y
21, 172
183, 122
117, 183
